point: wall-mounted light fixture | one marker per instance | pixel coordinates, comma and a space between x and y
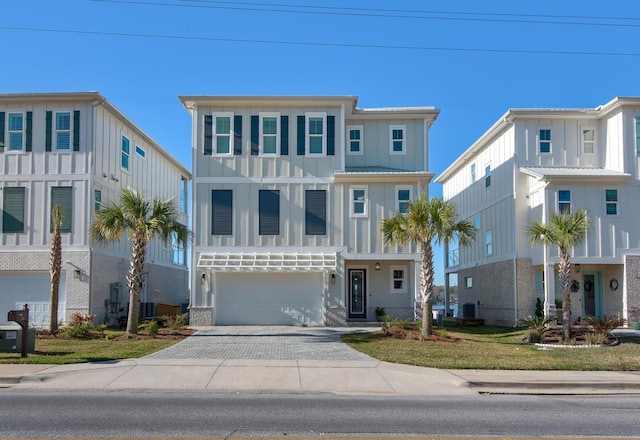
377, 266
77, 274
114, 178
333, 278
203, 278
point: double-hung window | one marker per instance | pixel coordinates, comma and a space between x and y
63, 131
355, 140
489, 242
588, 140
221, 212
316, 139
564, 201
398, 279
315, 221
13, 209
178, 254
359, 201
487, 176
397, 139
611, 200
16, 131
269, 212
63, 196
473, 172
544, 140
125, 151
270, 133
404, 194
223, 134
638, 136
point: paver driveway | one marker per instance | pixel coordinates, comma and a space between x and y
265, 342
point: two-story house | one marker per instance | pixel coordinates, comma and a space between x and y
288, 195
533, 162
77, 150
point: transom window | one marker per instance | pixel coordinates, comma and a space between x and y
140, 151
16, 131
316, 142
63, 131
398, 279
611, 200
588, 140
404, 194
359, 201
355, 140
397, 141
544, 140
270, 133
564, 201
222, 133
126, 149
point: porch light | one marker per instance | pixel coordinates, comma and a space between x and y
203, 278
76, 274
377, 266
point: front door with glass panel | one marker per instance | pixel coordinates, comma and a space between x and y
357, 293
592, 293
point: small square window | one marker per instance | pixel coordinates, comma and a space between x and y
398, 279
544, 140
468, 282
359, 201
397, 139
403, 197
564, 201
354, 141
611, 198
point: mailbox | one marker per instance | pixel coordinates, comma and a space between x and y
19, 316
22, 318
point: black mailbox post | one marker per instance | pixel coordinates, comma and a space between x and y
22, 318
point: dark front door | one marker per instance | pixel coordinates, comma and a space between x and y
357, 293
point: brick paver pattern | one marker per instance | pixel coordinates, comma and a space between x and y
264, 342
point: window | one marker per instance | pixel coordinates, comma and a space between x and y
398, 279
221, 212
140, 151
588, 140
270, 133
468, 282
16, 131
269, 212
539, 280
564, 201
487, 176
355, 140
183, 195
97, 198
315, 219
359, 201
124, 163
178, 254
404, 194
63, 196
476, 221
397, 139
611, 200
638, 136
316, 143
13, 209
544, 140
473, 172
222, 133
489, 242
63, 131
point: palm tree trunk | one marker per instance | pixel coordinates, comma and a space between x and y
55, 267
134, 281
564, 269
426, 287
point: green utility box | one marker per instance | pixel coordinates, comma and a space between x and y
11, 339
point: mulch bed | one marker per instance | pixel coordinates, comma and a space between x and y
578, 334
414, 335
163, 333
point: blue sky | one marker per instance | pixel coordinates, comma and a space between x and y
472, 60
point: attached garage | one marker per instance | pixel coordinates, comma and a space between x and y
268, 299
32, 288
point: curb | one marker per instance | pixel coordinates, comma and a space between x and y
555, 387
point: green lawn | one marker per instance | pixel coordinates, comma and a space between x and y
95, 349
497, 348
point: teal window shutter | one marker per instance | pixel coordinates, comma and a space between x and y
237, 135
13, 209
284, 135
1, 132
208, 135
255, 134
76, 130
539, 281
47, 139
301, 135
29, 133
331, 135
63, 196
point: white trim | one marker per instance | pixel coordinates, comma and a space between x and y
55, 131
539, 141
144, 152
264, 180
360, 151
122, 152
400, 188
593, 143
403, 279
404, 140
268, 261
307, 135
488, 244
214, 135
8, 132
261, 134
352, 201
487, 175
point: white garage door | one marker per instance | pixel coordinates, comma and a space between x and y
33, 288
268, 299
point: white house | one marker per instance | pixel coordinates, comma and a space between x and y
78, 150
530, 163
288, 195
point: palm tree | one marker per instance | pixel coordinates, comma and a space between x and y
142, 220
565, 230
55, 267
423, 222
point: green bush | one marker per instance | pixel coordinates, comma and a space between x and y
80, 326
175, 321
150, 326
537, 327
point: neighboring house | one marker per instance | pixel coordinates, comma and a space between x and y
530, 163
78, 150
288, 195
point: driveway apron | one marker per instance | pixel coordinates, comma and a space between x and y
265, 342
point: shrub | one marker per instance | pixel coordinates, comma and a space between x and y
537, 326
175, 321
602, 326
150, 326
539, 308
79, 327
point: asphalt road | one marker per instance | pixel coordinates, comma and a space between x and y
135, 414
